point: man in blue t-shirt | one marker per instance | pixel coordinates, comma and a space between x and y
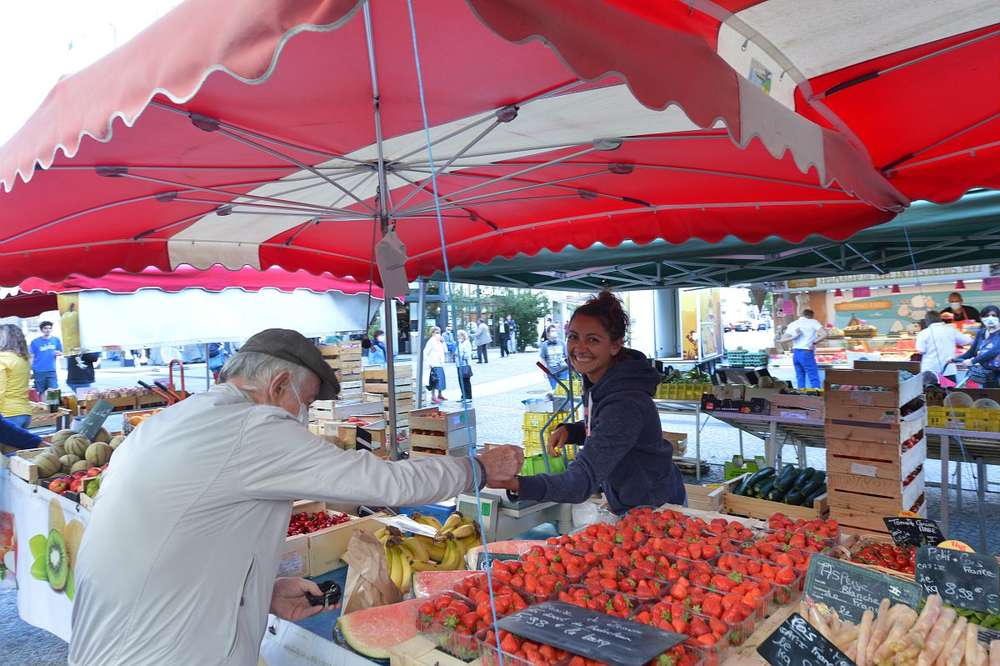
44, 351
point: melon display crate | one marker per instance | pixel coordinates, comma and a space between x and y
876, 446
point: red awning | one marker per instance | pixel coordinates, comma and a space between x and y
36, 295
259, 137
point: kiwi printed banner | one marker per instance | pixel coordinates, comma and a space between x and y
48, 529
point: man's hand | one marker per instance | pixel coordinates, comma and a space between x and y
288, 599
502, 464
557, 440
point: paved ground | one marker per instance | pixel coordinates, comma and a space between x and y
498, 389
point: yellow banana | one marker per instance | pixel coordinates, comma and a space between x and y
430, 521
464, 530
435, 549
407, 572
469, 542
419, 565
454, 520
453, 556
416, 549
395, 566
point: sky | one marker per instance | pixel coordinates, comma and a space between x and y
43, 40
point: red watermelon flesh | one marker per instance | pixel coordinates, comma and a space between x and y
511, 547
374, 631
431, 583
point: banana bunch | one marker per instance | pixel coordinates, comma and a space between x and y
445, 551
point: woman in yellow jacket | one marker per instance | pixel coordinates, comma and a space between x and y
15, 371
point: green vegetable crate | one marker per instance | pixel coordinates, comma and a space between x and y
536, 465
797, 493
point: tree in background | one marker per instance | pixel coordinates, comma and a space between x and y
527, 308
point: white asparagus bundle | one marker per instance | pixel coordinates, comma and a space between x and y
904, 619
936, 640
951, 642
994, 653
864, 632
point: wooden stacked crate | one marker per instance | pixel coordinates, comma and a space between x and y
345, 358
874, 453
437, 431
376, 382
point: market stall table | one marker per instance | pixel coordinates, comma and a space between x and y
688, 408
58, 419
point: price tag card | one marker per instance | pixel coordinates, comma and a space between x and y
964, 580
914, 531
851, 590
484, 560
95, 419
590, 634
796, 642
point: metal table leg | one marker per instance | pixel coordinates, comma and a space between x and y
697, 444
980, 502
772, 451
958, 485
740, 430
945, 483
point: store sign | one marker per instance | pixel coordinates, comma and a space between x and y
795, 641
964, 580
801, 284
851, 590
590, 634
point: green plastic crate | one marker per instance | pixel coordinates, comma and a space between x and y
536, 465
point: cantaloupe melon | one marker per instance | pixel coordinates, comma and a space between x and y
61, 436
99, 454
77, 445
374, 631
48, 464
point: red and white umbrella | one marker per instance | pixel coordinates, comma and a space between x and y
292, 132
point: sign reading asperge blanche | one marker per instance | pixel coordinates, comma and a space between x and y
851, 590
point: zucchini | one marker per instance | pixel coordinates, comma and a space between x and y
804, 478
820, 476
812, 497
743, 486
760, 475
795, 498
776, 494
787, 479
765, 489
810, 487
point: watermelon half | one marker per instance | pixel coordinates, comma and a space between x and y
374, 631
431, 583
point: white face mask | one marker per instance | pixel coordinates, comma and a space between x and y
991, 321
303, 416
955, 306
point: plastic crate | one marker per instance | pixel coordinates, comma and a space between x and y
536, 465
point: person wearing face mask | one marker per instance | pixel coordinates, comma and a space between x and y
624, 453
179, 561
376, 353
961, 311
983, 356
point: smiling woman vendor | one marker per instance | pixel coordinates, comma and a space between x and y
624, 453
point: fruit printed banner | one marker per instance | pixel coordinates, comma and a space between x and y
49, 530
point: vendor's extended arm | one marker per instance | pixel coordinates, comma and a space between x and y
971, 351
279, 459
611, 440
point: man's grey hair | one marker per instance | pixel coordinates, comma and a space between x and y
259, 369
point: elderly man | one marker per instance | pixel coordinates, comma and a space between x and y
178, 564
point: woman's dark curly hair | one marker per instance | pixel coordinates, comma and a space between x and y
607, 309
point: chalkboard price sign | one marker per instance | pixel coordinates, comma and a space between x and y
914, 531
795, 641
95, 418
964, 580
590, 634
851, 590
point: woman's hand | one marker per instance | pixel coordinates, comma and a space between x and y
288, 599
557, 440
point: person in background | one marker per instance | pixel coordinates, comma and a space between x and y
449, 343
80, 370
483, 340
553, 355
44, 350
981, 357
937, 345
804, 333
216, 359
376, 353
503, 328
434, 361
544, 335
512, 339
463, 363
624, 453
15, 364
961, 311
